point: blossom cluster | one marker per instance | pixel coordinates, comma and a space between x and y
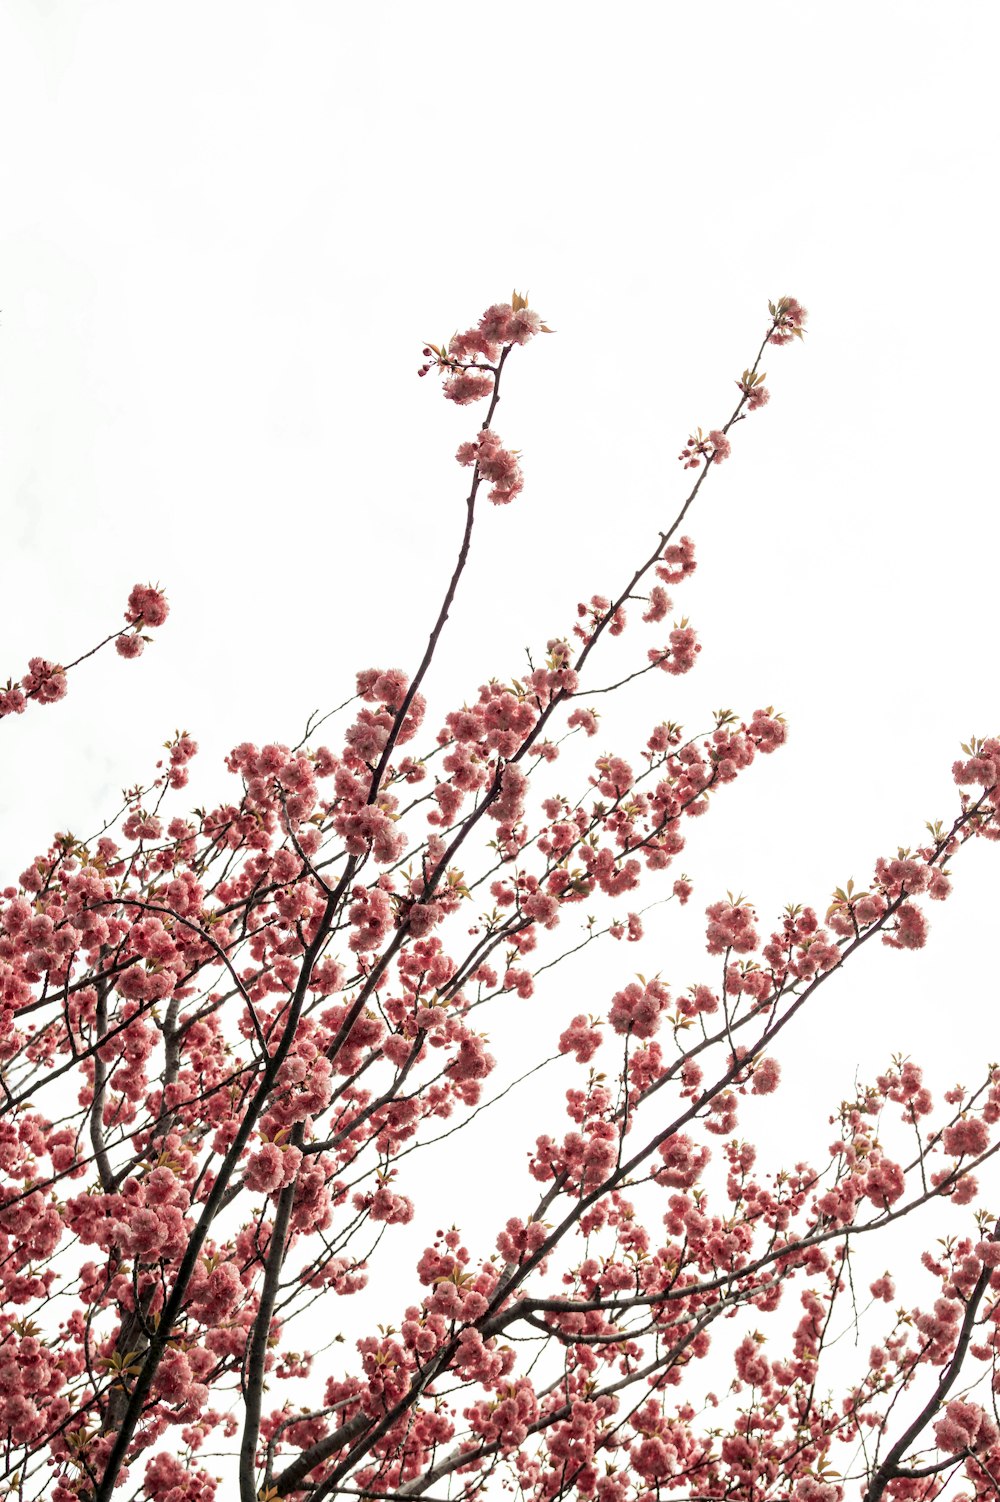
712, 447
789, 317
470, 364
494, 463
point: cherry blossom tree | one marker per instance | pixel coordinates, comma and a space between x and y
224, 1031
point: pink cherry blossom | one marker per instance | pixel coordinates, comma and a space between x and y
225, 1029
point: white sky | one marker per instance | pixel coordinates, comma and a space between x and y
227, 231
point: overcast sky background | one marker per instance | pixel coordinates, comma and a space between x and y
227, 230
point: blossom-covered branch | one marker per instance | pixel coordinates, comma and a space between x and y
45, 681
